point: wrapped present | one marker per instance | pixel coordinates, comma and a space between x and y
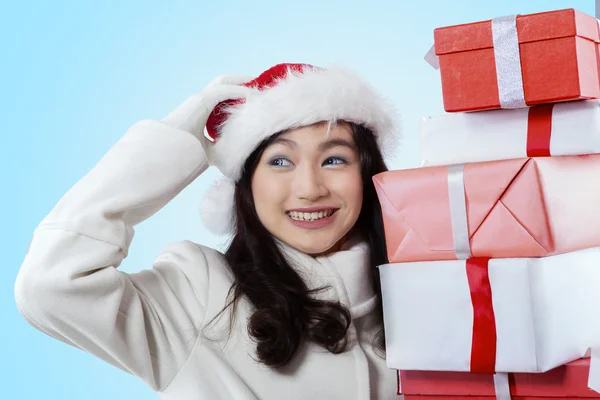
570, 128
526, 207
515, 61
491, 315
568, 381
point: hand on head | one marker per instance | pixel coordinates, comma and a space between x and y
192, 114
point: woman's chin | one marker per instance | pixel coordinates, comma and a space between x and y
317, 247
316, 242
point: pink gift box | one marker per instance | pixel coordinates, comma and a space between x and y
569, 381
526, 207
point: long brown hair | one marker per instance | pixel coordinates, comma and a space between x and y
285, 314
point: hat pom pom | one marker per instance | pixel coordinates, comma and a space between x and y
217, 208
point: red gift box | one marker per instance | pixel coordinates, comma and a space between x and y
556, 52
569, 381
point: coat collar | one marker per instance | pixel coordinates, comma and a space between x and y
347, 271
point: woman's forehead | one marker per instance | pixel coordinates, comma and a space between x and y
318, 133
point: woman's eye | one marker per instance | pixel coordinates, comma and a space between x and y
335, 161
280, 162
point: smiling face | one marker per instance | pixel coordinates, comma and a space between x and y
307, 187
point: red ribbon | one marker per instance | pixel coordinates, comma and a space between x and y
539, 129
483, 348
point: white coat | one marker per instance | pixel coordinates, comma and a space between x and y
152, 324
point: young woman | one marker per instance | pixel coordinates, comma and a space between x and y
292, 310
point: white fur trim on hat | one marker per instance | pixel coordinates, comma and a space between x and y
301, 99
217, 208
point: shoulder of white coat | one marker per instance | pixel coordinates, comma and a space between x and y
205, 268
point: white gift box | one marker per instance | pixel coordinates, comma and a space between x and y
573, 129
546, 312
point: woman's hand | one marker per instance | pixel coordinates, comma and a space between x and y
192, 114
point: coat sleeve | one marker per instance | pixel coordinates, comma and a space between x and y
69, 286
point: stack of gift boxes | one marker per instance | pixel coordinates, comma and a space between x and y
493, 282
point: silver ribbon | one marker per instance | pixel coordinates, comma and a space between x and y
501, 386
594, 374
431, 58
458, 211
399, 382
508, 62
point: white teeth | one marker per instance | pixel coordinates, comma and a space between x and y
300, 216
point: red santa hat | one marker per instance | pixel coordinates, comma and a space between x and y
284, 97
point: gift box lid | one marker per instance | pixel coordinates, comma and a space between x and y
531, 28
570, 380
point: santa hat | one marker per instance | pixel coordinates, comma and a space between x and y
284, 97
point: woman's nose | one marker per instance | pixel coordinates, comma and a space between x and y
309, 183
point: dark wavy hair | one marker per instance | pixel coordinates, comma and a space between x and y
285, 314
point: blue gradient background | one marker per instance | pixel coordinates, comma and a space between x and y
75, 76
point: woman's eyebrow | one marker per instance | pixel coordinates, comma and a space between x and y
335, 143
